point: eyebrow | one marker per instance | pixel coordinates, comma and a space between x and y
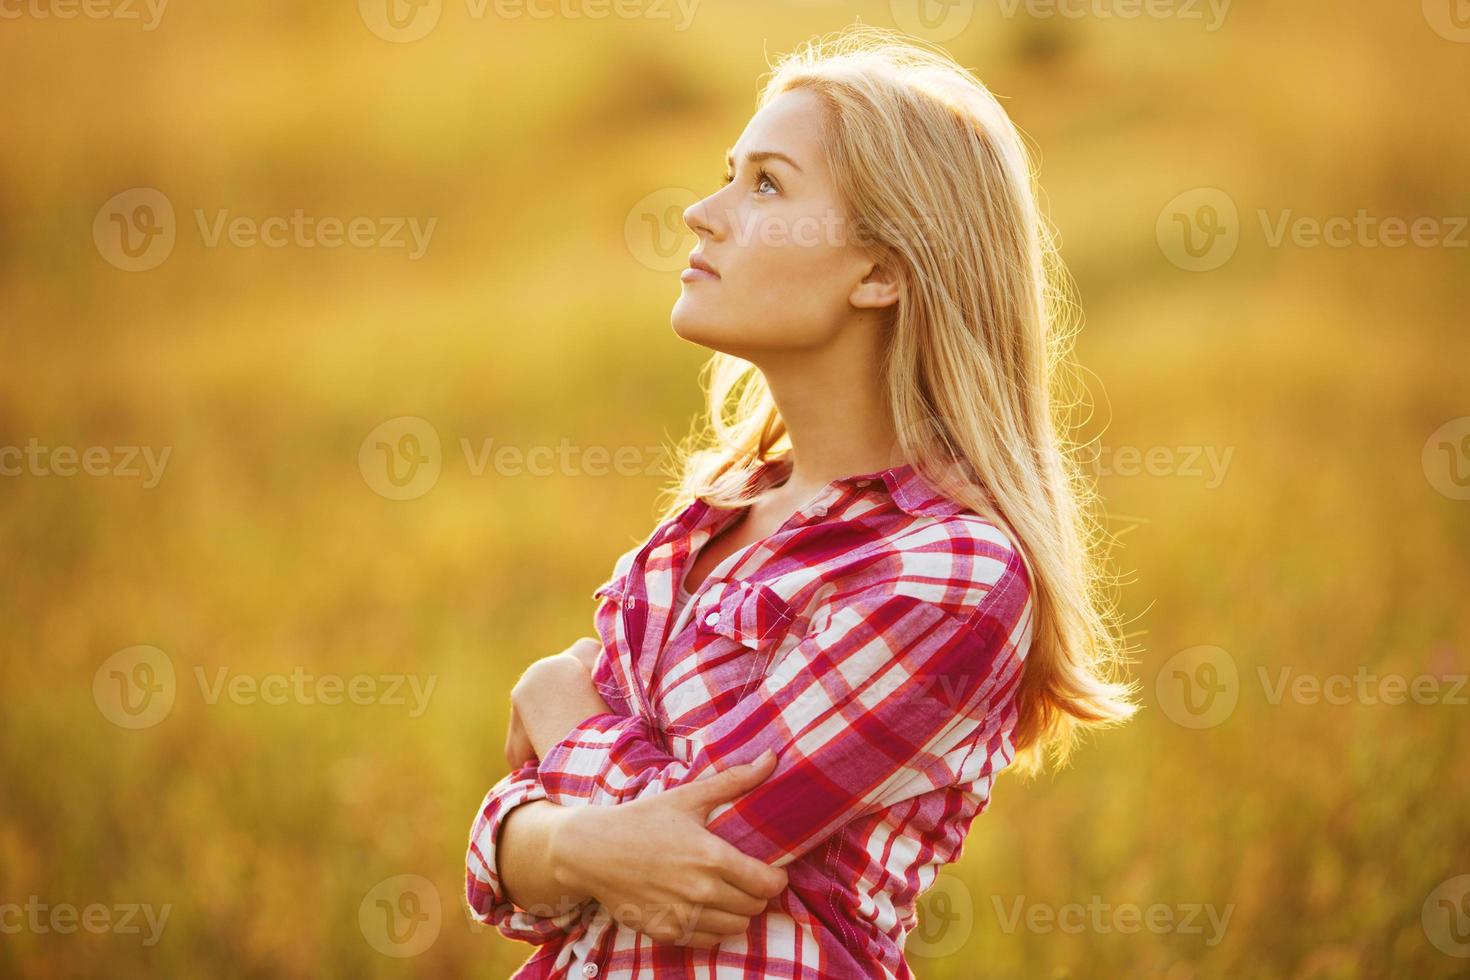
756, 156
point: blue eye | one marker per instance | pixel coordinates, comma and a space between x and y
761, 176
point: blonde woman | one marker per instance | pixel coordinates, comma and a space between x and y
877, 584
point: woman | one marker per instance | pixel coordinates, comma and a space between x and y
809, 675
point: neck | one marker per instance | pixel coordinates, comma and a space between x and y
836, 413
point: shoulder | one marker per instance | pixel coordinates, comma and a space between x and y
962, 564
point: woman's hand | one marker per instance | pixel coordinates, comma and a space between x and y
673, 880
556, 694
518, 747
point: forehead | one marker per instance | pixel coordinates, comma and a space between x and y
791, 123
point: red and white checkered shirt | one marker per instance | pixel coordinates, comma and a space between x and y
874, 641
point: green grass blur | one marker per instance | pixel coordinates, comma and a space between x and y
1324, 546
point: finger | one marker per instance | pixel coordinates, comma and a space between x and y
720, 923
708, 792
734, 900
750, 875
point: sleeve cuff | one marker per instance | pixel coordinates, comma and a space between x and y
484, 890
580, 769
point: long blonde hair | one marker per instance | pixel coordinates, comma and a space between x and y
978, 368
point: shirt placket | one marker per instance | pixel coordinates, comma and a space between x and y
635, 611
815, 509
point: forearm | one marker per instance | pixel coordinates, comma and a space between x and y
533, 872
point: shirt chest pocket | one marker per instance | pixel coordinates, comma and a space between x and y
722, 652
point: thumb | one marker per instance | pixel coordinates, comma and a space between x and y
708, 792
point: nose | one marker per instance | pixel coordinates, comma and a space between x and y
697, 217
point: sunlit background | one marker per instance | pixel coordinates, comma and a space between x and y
256, 682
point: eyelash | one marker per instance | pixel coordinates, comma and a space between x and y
759, 176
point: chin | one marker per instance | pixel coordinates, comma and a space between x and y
700, 331
689, 324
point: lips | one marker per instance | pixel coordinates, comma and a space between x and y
696, 262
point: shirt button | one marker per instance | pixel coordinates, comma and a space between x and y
712, 619
632, 602
589, 969
863, 483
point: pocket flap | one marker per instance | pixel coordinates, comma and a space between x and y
612, 588
747, 612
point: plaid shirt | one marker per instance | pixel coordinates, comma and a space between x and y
874, 641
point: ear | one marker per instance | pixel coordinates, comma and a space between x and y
878, 289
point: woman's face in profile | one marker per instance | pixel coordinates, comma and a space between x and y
778, 237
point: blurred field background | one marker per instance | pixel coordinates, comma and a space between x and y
1333, 834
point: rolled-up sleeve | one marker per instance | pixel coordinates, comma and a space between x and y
484, 890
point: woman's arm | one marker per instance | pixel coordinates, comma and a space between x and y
534, 866
896, 696
554, 695
672, 880
533, 874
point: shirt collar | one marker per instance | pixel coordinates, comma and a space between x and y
904, 483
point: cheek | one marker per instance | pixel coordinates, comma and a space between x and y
782, 287
793, 266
